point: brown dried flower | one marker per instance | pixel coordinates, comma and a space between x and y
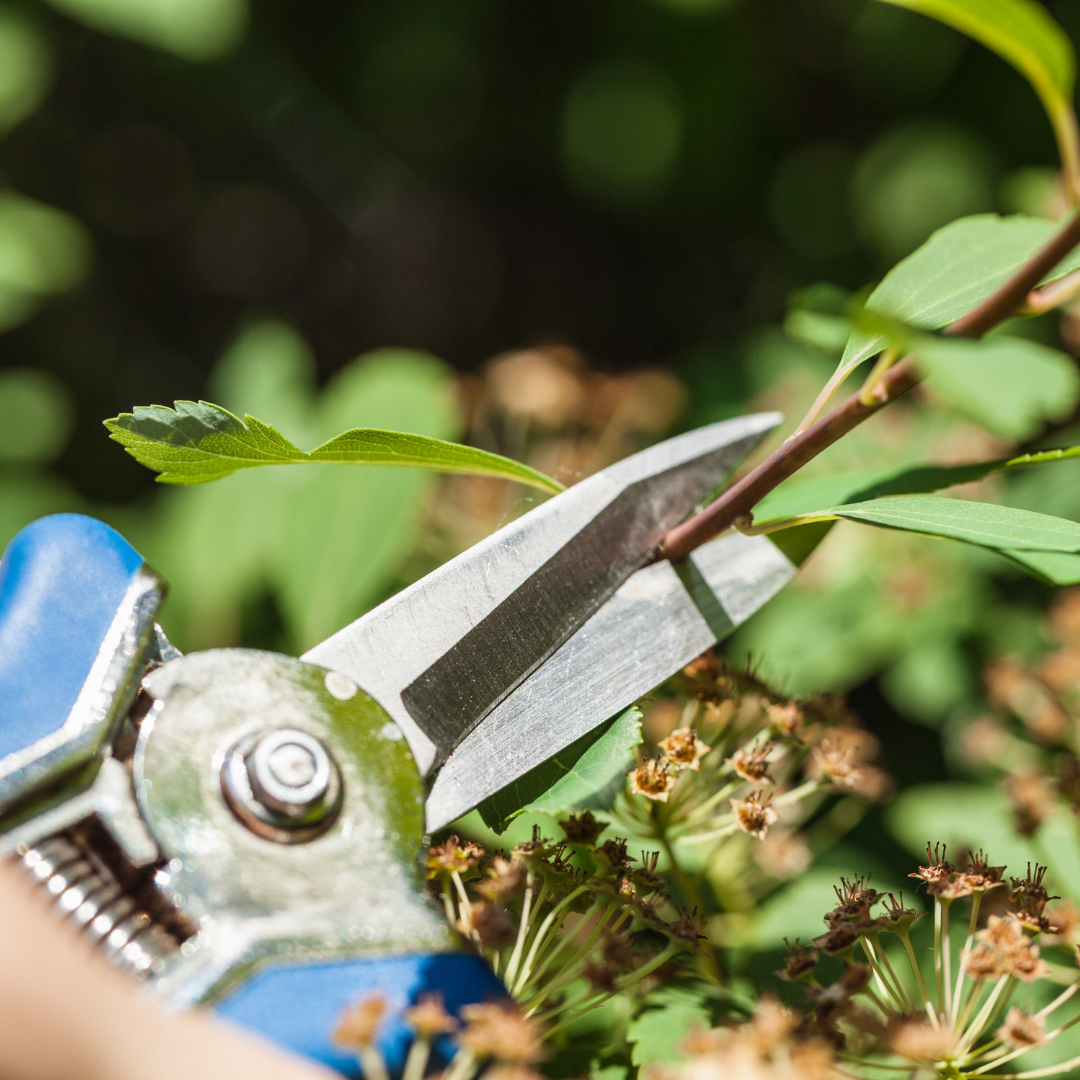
1021, 1029
1032, 799
453, 856
428, 1018
786, 719
503, 879
937, 869
498, 1030
683, 749
918, 1040
752, 764
801, 961
653, 779
359, 1023
753, 814
582, 828
488, 924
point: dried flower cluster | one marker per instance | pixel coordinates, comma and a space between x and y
494, 1033
1032, 736
565, 924
957, 1020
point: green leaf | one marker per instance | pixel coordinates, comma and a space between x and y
804, 497
1053, 567
812, 496
583, 774
1022, 33
198, 441
656, 1033
985, 524
952, 273
1008, 385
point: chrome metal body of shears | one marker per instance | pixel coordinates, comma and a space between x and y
242, 829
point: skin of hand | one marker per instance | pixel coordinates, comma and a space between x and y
65, 1014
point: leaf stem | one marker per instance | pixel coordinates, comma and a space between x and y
804, 446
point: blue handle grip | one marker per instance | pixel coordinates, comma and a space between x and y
298, 1006
62, 581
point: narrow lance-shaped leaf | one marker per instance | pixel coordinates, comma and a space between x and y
1023, 34
951, 274
804, 497
197, 442
985, 524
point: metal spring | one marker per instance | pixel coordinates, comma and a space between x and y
87, 894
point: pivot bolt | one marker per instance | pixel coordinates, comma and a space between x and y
283, 784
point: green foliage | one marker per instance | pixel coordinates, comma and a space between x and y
192, 29
1009, 385
1022, 33
323, 541
43, 252
197, 442
587, 773
657, 1032
25, 67
985, 524
954, 271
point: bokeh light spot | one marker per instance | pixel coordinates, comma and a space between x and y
193, 29
622, 132
916, 179
25, 67
35, 415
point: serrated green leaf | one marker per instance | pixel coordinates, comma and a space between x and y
1008, 385
1022, 33
197, 442
578, 776
985, 524
952, 273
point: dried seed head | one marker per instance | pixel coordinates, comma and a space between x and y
1032, 799
498, 1030
687, 929
979, 875
842, 760
918, 1040
752, 764
582, 828
787, 720
937, 869
530, 852
896, 916
1021, 1029
453, 856
683, 749
801, 962
654, 779
428, 1018
359, 1023
488, 924
753, 814
503, 880
612, 853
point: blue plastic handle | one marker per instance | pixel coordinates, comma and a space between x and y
298, 1006
62, 581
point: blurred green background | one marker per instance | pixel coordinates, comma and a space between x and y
336, 214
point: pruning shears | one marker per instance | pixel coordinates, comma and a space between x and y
242, 829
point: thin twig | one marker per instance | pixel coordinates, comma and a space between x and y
804, 446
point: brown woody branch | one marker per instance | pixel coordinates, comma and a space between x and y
740, 498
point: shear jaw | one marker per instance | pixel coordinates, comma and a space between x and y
289, 814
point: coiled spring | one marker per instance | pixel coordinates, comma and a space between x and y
86, 893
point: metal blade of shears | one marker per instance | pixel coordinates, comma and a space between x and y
661, 618
442, 654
